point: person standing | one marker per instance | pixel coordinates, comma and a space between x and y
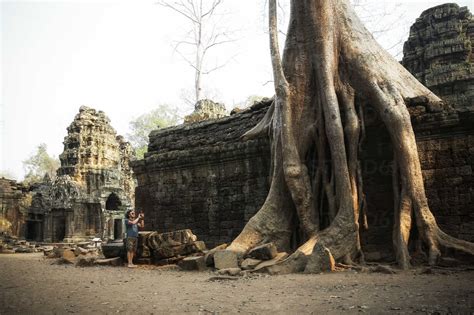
132, 222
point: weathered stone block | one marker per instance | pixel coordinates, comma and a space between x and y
272, 262
263, 252
69, 256
224, 259
250, 263
111, 250
209, 256
157, 240
80, 251
193, 263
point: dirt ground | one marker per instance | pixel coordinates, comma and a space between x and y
31, 284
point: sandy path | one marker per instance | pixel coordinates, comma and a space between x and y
31, 284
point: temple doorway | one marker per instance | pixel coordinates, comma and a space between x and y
58, 224
113, 202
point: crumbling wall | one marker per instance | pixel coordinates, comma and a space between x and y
445, 141
205, 110
203, 177
14, 200
440, 53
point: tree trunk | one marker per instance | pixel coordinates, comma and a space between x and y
330, 61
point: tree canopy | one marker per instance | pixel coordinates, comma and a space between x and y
39, 164
161, 117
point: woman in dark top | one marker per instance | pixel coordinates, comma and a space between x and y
132, 222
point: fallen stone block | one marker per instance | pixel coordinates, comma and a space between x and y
114, 249
224, 259
83, 244
209, 256
143, 251
69, 256
250, 263
58, 252
117, 261
157, 240
268, 263
320, 260
179, 250
193, 263
263, 252
24, 250
80, 251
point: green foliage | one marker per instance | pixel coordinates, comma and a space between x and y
39, 164
161, 117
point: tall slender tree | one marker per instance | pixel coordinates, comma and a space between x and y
205, 34
331, 69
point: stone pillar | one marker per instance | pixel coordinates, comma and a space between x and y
47, 228
69, 221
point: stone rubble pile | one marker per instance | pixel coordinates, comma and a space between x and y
182, 248
258, 259
86, 253
206, 110
12, 244
159, 248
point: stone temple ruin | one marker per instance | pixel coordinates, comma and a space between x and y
92, 190
202, 176
439, 53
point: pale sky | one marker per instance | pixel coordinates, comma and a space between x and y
117, 56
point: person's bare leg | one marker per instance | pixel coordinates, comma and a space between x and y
130, 259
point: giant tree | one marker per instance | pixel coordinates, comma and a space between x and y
331, 69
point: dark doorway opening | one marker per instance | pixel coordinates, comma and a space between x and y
113, 202
34, 231
59, 225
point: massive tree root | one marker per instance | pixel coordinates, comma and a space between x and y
332, 67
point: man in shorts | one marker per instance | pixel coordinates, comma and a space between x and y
132, 222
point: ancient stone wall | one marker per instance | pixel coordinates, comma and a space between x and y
14, 201
202, 177
440, 53
445, 140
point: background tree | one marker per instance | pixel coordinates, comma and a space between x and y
161, 117
333, 68
206, 32
39, 164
